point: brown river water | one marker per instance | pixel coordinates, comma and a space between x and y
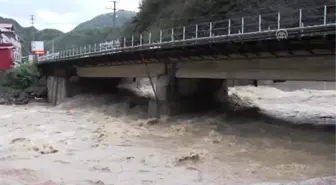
92, 140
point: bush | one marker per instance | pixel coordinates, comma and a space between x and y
20, 77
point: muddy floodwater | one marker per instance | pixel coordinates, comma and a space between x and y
91, 140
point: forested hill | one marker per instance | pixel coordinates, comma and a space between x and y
167, 13
106, 20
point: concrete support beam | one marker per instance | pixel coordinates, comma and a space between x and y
126, 71
319, 68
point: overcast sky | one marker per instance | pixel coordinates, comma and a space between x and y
59, 14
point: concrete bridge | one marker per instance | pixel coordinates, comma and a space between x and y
191, 63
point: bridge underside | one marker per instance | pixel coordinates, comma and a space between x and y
312, 68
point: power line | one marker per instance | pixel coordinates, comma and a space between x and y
114, 15
114, 12
32, 18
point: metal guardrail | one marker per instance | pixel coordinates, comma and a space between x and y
275, 24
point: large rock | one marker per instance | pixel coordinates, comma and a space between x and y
24, 98
2, 101
36, 91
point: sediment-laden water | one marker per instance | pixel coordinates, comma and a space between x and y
99, 140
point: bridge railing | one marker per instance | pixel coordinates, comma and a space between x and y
290, 19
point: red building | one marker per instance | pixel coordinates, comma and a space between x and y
10, 46
6, 60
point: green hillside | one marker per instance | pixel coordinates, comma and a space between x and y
168, 13
83, 37
106, 20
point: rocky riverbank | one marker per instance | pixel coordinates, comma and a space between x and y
10, 95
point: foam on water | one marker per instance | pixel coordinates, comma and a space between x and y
300, 106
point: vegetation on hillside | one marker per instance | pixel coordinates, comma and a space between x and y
83, 37
19, 77
170, 13
21, 84
106, 20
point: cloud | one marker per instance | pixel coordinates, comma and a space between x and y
65, 22
61, 14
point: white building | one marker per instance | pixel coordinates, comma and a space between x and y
109, 45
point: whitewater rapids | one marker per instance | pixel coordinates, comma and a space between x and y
98, 140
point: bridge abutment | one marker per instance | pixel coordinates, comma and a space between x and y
183, 95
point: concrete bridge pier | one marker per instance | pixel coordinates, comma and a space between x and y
183, 95
57, 89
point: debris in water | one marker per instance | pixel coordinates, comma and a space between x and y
99, 182
18, 140
153, 122
99, 168
129, 157
46, 149
193, 157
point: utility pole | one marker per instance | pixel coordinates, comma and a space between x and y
114, 12
114, 17
32, 19
53, 46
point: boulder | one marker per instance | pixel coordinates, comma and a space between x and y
24, 98
2, 101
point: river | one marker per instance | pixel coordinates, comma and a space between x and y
92, 140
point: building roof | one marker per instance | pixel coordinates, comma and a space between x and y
6, 46
8, 29
7, 26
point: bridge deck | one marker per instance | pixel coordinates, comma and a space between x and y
313, 27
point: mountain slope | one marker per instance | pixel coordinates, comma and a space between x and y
168, 13
47, 34
106, 20
83, 37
